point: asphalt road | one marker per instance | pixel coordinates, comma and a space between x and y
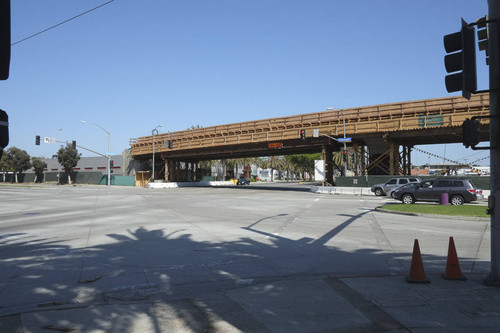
78, 245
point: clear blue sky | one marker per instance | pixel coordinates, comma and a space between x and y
132, 65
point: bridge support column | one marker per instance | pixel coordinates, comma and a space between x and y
362, 160
378, 160
193, 168
394, 158
327, 156
170, 170
177, 171
389, 161
407, 160
357, 157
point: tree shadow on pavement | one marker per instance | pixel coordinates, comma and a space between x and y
166, 280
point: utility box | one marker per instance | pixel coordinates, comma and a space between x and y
319, 170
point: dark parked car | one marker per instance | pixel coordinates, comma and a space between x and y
391, 184
243, 181
459, 191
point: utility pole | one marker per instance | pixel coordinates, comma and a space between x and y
494, 199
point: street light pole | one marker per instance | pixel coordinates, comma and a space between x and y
154, 132
345, 146
108, 152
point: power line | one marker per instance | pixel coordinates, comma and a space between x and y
66, 21
452, 161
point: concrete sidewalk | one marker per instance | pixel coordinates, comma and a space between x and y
313, 304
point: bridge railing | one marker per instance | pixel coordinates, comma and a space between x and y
447, 111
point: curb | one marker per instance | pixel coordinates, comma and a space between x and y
342, 190
447, 217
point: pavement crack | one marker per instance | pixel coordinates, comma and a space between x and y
384, 243
381, 320
478, 249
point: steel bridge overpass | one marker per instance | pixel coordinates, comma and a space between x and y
382, 136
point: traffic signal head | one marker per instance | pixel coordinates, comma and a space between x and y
4, 39
37, 140
170, 144
111, 163
471, 133
4, 131
483, 36
460, 61
73, 144
344, 153
302, 134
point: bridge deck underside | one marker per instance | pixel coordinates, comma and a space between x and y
428, 121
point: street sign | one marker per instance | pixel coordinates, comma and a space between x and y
275, 145
46, 139
344, 139
315, 133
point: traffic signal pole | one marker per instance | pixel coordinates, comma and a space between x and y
494, 199
92, 151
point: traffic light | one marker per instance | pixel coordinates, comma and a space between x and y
482, 36
344, 153
73, 144
4, 39
302, 134
471, 132
170, 144
460, 61
4, 131
37, 140
111, 163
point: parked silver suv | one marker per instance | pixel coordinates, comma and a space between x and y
391, 184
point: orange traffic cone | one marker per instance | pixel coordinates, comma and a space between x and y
417, 274
453, 271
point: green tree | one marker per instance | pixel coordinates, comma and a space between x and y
17, 160
338, 159
39, 165
304, 162
4, 166
288, 166
68, 157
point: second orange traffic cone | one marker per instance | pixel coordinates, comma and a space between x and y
453, 271
417, 274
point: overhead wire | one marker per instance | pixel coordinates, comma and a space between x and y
61, 23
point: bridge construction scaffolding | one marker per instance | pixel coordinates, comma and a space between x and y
382, 136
